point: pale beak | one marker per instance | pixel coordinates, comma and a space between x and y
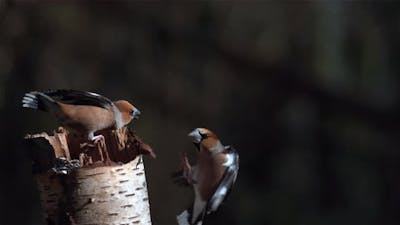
136, 113
195, 135
196, 138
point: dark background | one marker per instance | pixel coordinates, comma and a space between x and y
306, 91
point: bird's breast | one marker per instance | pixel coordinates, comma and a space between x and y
211, 169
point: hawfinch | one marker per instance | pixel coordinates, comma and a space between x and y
212, 178
82, 111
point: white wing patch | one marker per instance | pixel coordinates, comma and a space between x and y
118, 117
230, 159
198, 206
183, 218
219, 197
223, 191
232, 167
94, 94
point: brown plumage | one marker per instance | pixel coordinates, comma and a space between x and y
82, 111
212, 177
210, 164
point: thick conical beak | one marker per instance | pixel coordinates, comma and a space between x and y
196, 138
195, 135
136, 113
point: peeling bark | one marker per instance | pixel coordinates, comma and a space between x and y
109, 190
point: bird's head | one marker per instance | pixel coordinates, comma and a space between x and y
205, 139
128, 111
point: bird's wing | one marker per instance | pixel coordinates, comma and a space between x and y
74, 97
227, 181
222, 191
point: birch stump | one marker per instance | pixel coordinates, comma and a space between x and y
91, 184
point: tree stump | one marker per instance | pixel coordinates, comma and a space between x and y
91, 184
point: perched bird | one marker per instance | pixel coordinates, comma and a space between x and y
212, 178
82, 111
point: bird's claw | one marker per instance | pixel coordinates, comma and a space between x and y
99, 139
97, 142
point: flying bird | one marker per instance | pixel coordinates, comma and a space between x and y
212, 178
82, 111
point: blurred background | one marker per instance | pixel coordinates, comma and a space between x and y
308, 93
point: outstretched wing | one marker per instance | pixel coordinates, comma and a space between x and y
75, 97
227, 181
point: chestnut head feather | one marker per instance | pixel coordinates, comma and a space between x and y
128, 111
205, 139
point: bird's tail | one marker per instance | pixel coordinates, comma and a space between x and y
37, 100
185, 217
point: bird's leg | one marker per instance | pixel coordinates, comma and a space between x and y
100, 141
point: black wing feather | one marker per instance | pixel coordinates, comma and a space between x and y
75, 97
226, 184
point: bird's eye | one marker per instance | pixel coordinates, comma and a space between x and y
203, 136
